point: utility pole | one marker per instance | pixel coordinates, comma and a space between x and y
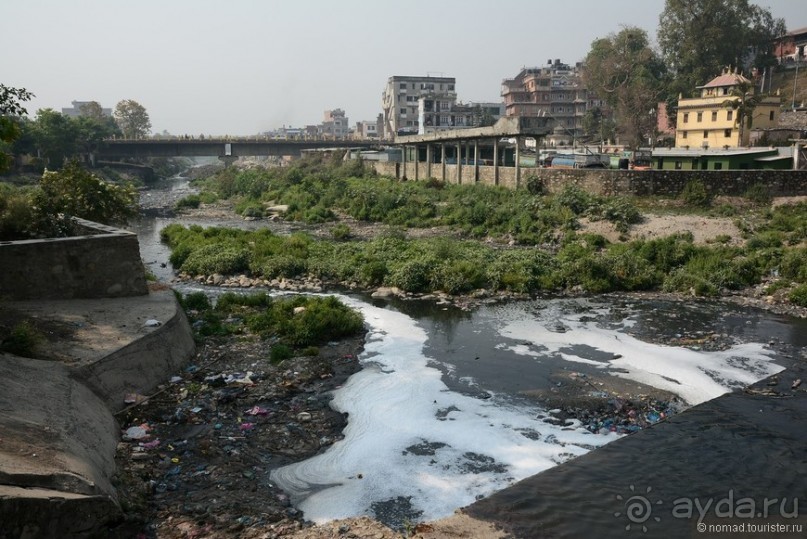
795, 80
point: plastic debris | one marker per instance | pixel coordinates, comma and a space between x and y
137, 432
246, 426
152, 323
133, 398
257, 410
150, 445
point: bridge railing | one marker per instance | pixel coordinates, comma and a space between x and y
251, 138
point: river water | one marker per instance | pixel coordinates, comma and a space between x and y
441, 413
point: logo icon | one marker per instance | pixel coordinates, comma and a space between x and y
638, 509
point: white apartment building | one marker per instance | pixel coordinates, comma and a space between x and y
335, 123
400, 102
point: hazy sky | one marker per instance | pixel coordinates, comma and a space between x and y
246, 66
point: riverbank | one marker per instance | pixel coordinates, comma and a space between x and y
232, 459
772, 294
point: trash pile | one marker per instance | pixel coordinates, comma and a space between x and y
200, 449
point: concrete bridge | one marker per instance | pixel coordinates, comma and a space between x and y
224, 148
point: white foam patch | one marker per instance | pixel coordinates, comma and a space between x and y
696, 376
472, 447
409, 436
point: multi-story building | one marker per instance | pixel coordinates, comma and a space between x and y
792, 47
75, 110
709, 121
555, 90
335, 124
369, 129
400, 102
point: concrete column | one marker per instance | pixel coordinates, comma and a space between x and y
443, 160
429, 160
459, 163
496, 161
518, 164
417, 161
403, 161
796, 156
476, 160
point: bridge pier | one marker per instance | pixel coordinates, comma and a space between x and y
227, 160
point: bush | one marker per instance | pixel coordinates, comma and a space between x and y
759, 194
21, 340
190, 201
285, 266
216, 258
195, 301
798, 296
696, 194
340, 232
279, 353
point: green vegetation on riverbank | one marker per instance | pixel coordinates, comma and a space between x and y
315, 191
291, 324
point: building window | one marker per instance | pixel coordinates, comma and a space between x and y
706, 134
678, 165
772, 114
450, 87
403, 86
730, 115
686, 117
683, 134
403, 111
727, 133
718, 166
700, 116
714, 116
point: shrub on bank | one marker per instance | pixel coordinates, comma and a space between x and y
798, 296
292, 323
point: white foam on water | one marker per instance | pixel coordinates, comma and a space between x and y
461, 446
696, 376
409, 436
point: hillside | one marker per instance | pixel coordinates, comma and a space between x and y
783, 81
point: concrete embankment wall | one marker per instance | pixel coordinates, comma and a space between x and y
608, 182
59, 434
144, 363
103, 263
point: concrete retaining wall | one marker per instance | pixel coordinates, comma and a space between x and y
613, 182
59, 435
143, 364
103, 263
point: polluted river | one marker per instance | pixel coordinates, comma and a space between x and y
452, 405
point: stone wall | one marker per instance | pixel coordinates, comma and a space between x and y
103, 263
617, 182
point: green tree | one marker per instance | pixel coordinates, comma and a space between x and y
11, 109
744, 101
55, 136
626, 73
132, 119
597, 125
698, 38
75, 192
93, 110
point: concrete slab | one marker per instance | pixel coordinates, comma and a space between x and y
58, 434
738, 460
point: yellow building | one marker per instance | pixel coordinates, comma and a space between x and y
706, 121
